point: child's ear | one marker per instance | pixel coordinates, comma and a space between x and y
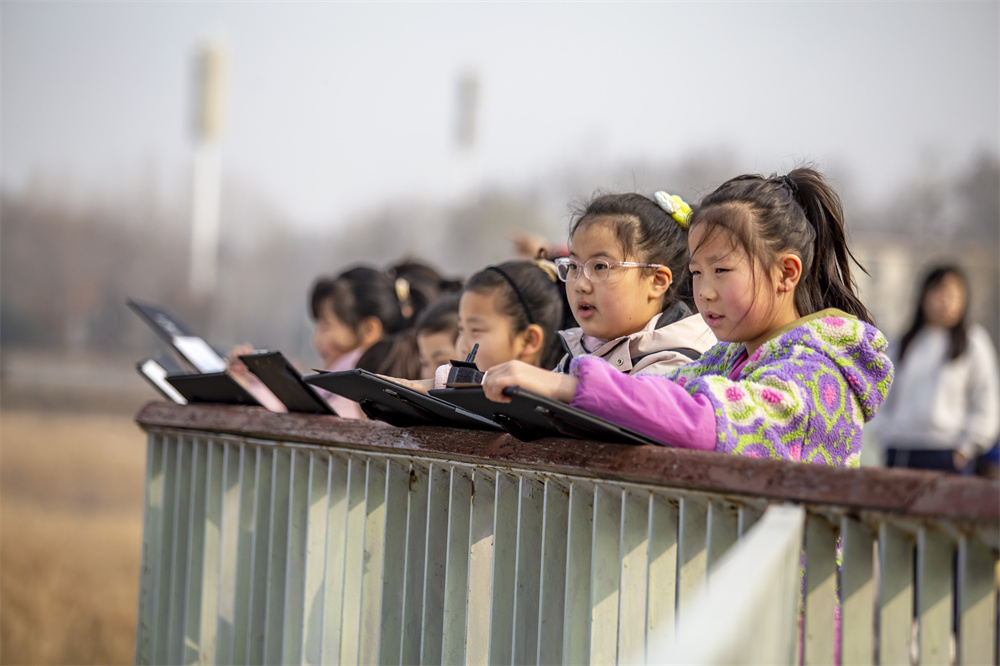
370, 331
789, 271
662, 279
533, 338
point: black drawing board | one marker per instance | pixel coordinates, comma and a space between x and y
155, 370
394, 403
531, 416
285, 382
192, 348
214, 387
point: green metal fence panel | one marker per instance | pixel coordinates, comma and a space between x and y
895, 605
857, 592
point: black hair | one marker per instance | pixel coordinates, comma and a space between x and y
394, 355
646, 233
959, 333
418, 285
320, 291
439, 317
538, 299
362, 292
800, 213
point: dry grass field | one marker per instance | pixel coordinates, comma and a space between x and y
71, 488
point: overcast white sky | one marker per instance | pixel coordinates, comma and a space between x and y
324, 96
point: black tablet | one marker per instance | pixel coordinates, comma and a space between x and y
155, 370
394, 403
285, 382
192, 348
217, 387
531, 416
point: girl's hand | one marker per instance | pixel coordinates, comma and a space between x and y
517, 373
422, 385
236, 367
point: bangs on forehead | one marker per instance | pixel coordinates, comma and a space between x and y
623, 226
733, 220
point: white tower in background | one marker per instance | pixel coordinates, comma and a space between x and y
210, 103
467, 180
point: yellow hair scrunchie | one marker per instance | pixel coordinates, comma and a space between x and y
675, 207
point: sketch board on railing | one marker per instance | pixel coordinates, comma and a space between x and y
191, 347
285, 382
394, 403
530, 416
212, 387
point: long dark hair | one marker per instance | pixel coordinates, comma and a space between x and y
539, 299
362, 292
799, 212
959, 333
645, 232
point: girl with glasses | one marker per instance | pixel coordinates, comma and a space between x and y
624, 282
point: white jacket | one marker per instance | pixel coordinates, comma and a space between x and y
939, 403
667, 341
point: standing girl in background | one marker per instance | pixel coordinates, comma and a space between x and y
945, 410
626, 268
800, 367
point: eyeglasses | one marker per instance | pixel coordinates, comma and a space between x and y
596, 270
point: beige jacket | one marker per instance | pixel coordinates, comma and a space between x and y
669, 340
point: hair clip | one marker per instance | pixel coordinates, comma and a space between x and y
675, 207
402, 290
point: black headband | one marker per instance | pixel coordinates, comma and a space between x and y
517, 292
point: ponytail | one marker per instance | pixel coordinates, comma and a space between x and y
828, 282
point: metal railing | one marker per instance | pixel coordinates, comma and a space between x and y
307, 539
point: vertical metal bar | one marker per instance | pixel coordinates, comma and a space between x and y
354, 562
664, 516
164, 593
579, 541
414, 568
152, 542
337, 540
297, 518
528, 570
460, 498
552, 578
747, 518
977, 616
934, 596
371, 573
393, 550
314, 601
277, 555
895, 594
481, 537
722, 534
604, 574
821, 590
692, 554
229, 535
505, 516
250, 460
214, 479
438, 519
634, 575
259, 573
195, 554
857, 593
174, 648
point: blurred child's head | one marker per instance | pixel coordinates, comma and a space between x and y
323, 336
943, 301
512, 312
436, 330
354, 311
611, 300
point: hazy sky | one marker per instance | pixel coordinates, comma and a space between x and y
327, 101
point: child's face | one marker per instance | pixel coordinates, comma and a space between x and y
479, 322
735, 300
436, 349
332, 338
945, 302
622, 304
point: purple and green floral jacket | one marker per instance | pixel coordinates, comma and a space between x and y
804, 395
